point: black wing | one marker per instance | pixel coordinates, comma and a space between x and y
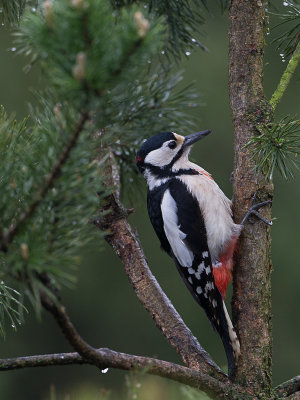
154, 199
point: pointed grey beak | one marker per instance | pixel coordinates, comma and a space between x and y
194, 137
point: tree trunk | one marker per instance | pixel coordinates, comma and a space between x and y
251, 306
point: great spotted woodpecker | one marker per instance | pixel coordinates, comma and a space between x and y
193, 219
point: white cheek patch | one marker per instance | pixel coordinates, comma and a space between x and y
160, 157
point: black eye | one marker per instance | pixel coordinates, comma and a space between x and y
172, 144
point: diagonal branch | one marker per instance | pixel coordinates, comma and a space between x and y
107, 358
40, 194
126, 245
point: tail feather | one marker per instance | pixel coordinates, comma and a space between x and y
232, 334
229, 339
212, 302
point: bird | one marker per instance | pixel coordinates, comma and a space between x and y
192, 218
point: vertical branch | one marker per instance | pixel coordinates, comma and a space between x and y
251, 278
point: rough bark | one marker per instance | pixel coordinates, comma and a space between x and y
251, 278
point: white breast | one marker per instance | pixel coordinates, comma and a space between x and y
215, 208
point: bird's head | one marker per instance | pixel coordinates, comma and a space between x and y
160, 152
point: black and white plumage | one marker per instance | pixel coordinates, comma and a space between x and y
192, 218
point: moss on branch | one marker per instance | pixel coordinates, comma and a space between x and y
286, 77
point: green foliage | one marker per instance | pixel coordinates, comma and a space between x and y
155, 105
135, 99
95, 64
288, 40
11, 10
83, 48
183, 19
50, 241
277, 147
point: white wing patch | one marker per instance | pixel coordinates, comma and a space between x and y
172, 230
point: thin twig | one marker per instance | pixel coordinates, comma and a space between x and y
40, 194
286, 77
43, 360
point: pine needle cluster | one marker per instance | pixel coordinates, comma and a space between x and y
11, 307
183, 21
288, 40
277, 148
11, 11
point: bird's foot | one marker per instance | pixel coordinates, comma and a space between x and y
252, 211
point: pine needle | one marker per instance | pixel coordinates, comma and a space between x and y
277, 148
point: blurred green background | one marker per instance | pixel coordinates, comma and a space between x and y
103, 305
